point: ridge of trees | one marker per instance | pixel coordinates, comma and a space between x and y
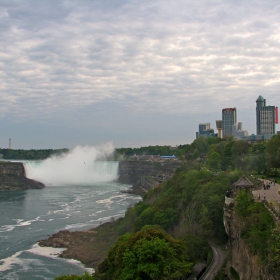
221, 154
31, 154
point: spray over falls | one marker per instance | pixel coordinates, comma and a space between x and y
82, 165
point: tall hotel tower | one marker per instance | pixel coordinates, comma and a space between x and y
266, 116
228, 120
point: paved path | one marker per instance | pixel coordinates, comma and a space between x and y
219, 256
270, 195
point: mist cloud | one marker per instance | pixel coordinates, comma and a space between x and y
82, 165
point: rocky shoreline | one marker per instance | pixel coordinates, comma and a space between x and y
89, 247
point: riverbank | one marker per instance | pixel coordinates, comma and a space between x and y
88, 246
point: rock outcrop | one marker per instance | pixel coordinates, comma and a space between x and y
12, 178
145, 175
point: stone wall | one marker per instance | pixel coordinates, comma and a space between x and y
12, 177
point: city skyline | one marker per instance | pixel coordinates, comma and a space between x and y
266, 121
134, 73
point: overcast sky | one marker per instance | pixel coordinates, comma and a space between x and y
136, 73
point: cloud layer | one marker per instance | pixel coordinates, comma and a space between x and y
134, 72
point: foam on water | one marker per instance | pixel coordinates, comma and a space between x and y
48, 252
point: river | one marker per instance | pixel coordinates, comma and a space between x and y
32, 215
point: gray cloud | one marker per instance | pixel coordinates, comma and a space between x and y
62, 60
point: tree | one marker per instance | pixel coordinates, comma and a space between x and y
147, 254
275, 248
201, 145
272, 153
239, 150
255, 158
214, 160
227, 155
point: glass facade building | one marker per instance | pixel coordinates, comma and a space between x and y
228, 120
266, 117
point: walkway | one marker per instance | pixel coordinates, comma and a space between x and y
270, 195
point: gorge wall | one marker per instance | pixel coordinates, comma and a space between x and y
145, 175
12, 177
242, 260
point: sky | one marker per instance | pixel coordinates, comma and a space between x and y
132, 73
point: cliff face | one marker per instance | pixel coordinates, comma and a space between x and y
12, 177
145, 175
242, 260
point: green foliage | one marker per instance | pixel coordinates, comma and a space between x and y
152, 150
227, 156
234, 273
274, 245
234, 176
196, 246
214, 160
258, 223
85, 276
31, 154
239, 150
147, 254
243, 200
272, 152
140, 207
255, 159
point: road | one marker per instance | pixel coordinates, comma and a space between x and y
219, 256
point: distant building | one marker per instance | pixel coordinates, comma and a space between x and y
168, 157
219, 125
228, 120
173, 148
204, 130
266, 117
237, 131
254, 138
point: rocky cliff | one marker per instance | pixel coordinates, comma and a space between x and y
243, 263
145, 175
12, 177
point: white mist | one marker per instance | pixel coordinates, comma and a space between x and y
82, 165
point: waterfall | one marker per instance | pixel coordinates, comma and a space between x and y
55, 173
82, 165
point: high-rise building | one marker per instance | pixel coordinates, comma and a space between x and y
266, 117
238, 132
203, 127
204, 130
219, 125
228, 120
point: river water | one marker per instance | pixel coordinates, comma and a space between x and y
32, 215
